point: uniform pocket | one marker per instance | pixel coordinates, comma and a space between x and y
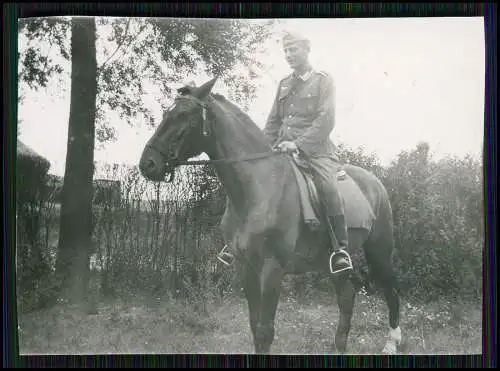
284, 92
308, 100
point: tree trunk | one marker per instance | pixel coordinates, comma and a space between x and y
75, 232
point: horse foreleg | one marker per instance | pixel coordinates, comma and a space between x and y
251, 288
346, 294
270, 287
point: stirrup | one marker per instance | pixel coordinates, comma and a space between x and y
346, 255
222, 255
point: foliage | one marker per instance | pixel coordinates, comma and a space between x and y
438, 215
137, 54
37, 67
437, 204
359, 157
35, 208
164, 238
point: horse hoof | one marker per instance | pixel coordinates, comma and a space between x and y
390, 348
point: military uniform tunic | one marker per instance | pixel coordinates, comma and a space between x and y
304, 112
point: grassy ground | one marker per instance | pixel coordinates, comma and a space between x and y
169, 326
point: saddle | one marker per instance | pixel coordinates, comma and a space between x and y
358, 211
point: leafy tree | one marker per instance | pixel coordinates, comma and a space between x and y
140, 53
137, 53
75, 232
36, 65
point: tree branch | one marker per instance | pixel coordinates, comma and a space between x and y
132, 40
100, 69
46, 64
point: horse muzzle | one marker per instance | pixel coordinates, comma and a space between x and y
153, 168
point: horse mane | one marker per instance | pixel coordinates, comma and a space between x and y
249, 126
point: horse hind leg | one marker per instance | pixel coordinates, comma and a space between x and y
393, 303
346, 288
346, 293
379, 259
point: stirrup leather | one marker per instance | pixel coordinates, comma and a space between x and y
346, 255
223, 255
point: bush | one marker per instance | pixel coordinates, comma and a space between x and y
163, 238
34, 219
437, 207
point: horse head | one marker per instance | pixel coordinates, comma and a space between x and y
180, 135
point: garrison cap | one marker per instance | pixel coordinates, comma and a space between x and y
290, 38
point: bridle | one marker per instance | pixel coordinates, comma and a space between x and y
206, 132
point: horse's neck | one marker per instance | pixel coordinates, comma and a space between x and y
247, 183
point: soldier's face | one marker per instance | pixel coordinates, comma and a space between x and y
296, 54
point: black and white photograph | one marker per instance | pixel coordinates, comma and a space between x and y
283, 186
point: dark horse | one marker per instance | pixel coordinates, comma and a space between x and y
262, 221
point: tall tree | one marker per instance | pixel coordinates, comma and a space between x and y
160, 52
135, 53
75, 233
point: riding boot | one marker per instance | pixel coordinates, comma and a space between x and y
340, 230
339, 226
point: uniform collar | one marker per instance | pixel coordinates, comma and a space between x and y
305, 76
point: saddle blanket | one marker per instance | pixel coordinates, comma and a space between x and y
358, 211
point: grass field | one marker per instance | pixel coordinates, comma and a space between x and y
153, 325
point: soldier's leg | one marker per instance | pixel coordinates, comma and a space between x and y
334, 209
339, 223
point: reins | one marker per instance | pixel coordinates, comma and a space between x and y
176, 163
256, 156
205, 133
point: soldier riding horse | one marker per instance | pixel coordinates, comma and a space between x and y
264, 222
300, 122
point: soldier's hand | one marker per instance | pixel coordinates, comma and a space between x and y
287, 146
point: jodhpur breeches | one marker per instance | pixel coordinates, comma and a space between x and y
324, 170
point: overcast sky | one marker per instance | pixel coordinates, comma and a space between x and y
399, 81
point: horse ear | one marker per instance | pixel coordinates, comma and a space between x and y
206, 88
